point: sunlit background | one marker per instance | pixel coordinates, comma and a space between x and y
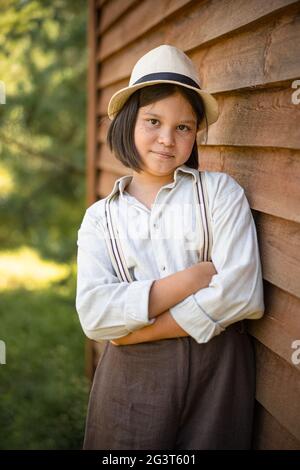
43, 63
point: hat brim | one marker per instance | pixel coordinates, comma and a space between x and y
118, 100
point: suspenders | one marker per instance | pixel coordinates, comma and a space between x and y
113, 241
114, 245
202, 200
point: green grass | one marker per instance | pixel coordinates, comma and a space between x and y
43, 390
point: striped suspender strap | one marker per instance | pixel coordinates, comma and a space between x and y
114, 245
205, 217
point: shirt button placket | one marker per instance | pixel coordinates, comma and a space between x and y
155, 226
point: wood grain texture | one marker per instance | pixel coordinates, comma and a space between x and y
266, 53
107, 161
269, 434
262, 55
279, 244
280, 325
269, 176
278, 388
113, 11
257, 118
130, 27
105, 183
219, 21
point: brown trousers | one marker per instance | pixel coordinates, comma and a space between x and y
174, 394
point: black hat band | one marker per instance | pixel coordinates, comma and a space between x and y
174, 77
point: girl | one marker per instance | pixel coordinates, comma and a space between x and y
177, 371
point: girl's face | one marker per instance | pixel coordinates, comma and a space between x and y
164, 134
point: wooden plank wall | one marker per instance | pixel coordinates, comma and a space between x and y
247, 54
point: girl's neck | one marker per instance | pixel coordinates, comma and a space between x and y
149, 183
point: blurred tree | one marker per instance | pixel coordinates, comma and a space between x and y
43, 61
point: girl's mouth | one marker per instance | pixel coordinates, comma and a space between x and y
166, 156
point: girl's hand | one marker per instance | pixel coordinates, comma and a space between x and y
121, 341
135, 337
164, 327
131, 338
200, 274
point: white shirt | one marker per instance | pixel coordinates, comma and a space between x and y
162, 241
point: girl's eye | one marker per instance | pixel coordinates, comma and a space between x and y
182, 127
186, 127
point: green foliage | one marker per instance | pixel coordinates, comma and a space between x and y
43, 62
42, 385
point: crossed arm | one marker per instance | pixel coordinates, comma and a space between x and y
164, 294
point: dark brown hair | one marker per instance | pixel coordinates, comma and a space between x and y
120, 136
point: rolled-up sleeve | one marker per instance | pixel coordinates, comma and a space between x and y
236, 291
107, 308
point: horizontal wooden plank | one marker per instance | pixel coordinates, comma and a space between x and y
263, 54
183, 30
270, 177
137, 22
260, 118
278, 388
123, 61
280, 325
106, 93
113, 11
108, 162
105, 183
218, 21
279, 244
269, 434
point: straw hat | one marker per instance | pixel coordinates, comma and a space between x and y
164, 64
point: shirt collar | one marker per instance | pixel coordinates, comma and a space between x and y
121, 183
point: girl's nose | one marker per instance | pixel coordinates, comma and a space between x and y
166, 137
